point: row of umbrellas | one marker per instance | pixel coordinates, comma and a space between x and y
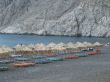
50, 46
18, 60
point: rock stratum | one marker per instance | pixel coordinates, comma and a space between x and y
56, 17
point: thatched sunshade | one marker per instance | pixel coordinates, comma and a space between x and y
51, 46
61, 46
69, 45
80, 45
1, 51
5, 50
31, 46
97, 44
23, 48
19, 47
26, 48
88, 44
72, 46
40, 47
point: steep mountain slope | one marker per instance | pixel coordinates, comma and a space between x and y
56, 17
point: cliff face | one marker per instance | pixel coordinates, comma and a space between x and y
56, 17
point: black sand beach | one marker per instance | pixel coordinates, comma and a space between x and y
87, 69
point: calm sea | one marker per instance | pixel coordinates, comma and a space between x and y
13, 39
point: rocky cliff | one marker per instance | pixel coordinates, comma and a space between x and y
56, 17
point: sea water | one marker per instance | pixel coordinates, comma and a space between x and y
14, 39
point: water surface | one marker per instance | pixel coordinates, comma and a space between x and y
13, 39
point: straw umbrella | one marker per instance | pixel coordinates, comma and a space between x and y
61, 44
1, 50
97, 44
60, 48
88, 44
5, 50
71, 47
80, 45
41, 48
19, 48
51, 46
26, 49
31, 46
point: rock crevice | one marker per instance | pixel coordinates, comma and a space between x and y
56, 17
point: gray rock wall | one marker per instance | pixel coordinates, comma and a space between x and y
56, 17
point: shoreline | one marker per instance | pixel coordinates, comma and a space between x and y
51, 35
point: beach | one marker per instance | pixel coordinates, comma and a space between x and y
94, 68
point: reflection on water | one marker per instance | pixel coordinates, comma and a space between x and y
13, 39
